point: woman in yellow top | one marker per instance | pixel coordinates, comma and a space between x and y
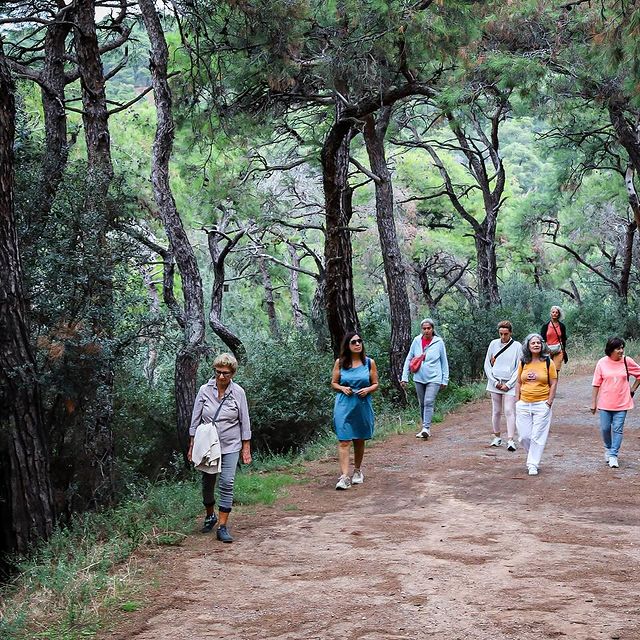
535, 390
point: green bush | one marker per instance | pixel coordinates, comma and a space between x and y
288, 387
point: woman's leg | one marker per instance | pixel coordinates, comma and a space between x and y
496, 412
541, 413
430, 394
524, 424
509, 407
606, 418
208, 488
225, 484
358, 453
344, 449
617, 427
420, 389
558, 360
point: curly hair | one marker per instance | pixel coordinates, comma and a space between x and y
526, 352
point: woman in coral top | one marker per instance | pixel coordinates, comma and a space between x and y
535, 390
612, 395
554, 334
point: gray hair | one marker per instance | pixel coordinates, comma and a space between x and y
560, 311
430, 321
226, 360
526, 352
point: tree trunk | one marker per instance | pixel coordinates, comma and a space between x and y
83, 461
374, 134
294, 289
339, 296
218, 257
26, 501
485, 241
55, 115
269, 300
188, 358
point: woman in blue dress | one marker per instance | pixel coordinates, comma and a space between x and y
355, 377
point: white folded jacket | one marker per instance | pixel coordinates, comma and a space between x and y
206, 454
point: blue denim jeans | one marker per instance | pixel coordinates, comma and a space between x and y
427, 397
225, 484
611, 426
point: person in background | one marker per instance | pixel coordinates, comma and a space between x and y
433, 374
501, 369
223, 402
355, 378
535, 391
612, 396
554, 333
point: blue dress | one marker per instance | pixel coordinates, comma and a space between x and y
353, 415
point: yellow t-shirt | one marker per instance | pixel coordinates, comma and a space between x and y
534, 385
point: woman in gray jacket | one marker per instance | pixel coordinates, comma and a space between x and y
223, 402
433, 374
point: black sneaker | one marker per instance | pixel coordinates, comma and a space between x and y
209, 523
223, 535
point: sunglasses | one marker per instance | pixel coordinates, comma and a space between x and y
223, 374
356, 341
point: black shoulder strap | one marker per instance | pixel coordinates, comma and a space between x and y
503, 349
625, 367
548, 361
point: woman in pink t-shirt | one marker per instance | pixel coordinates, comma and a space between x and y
613, 396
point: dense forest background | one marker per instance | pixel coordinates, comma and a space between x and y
262, 176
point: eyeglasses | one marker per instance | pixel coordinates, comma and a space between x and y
356, 341
223, 374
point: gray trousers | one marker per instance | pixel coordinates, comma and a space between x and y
225, 484
427, 398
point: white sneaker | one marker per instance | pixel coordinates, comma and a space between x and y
511, 445
357, 477
496, 442
607, 455
424, 434
344, 483
613, 462
533, 470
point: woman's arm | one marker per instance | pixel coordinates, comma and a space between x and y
335, 380
553, 384
196, 419
404, 379
488, 369
518, 382
245, 453
594, 398
444, 364
373, 379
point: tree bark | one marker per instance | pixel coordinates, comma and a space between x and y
81, 432
188, 358
374, 134
269, 300
294, 289
26, 500
53, 83
339, 296
218, 256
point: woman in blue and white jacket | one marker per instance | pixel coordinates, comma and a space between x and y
433, 374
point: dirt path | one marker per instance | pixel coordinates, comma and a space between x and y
447, 539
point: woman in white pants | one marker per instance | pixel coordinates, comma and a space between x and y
535, 390
501, 369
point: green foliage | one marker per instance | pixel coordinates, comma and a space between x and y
288, 387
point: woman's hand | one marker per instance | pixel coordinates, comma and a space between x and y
246, 452
190, 453
403, 384
363, 393
593, 408
346, 390
549, 403
443, 386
